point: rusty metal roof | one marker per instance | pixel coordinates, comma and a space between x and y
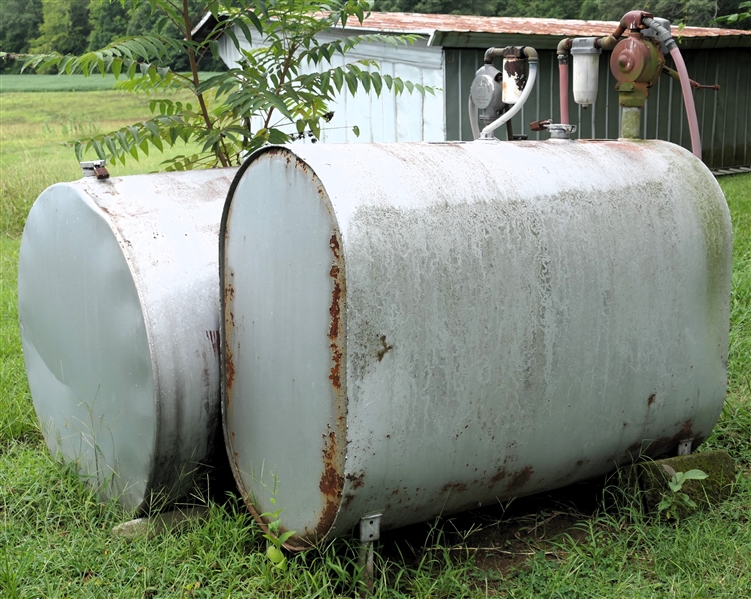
483, 32
427, 24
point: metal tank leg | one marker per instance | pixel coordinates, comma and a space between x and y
684, 447
370, 531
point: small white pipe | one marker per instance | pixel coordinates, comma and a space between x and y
473, 119
487, 132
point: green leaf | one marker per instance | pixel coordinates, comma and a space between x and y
283, 538
277, 136
338, 76
351, 82
695, 475
669, 469
275, 554
97, 146
356, 130
277, 102
116, 66
365, 80
152, 128
110, 143
377, 82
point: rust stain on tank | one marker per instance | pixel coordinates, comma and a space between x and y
335, 311
385, 349
331, 484
448, 487
331, 480
663, 445
229, 294
335, 377
497, 477
651, 399
334, 245
520, 479
356, 480
229, 368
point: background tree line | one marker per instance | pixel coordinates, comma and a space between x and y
78, 26
699, 13
75, 26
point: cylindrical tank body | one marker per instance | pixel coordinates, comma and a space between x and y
118, 300
417, 329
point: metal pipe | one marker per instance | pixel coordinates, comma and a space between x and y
563, 51
531, 54
694, 84
606, 43
563, 87
492, 53
630, 122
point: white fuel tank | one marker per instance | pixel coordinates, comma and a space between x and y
413, 329
118, 300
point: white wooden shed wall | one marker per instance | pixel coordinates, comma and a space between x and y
387, 118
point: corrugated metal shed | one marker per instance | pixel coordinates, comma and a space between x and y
452, 50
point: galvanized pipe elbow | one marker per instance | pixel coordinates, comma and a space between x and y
607, 43
491, 53
564, 48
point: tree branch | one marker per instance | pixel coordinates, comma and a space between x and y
196, 82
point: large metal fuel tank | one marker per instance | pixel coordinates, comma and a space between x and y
118, 300
418, 329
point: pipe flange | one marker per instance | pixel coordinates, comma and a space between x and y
560, 131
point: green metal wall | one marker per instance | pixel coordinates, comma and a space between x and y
724, 116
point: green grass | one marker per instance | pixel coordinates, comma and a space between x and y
33, 127
55, 536
61, 83
55, 83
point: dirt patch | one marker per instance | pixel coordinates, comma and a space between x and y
499, 538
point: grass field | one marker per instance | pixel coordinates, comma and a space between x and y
60, 83
55, 538
33, 157
55, 83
